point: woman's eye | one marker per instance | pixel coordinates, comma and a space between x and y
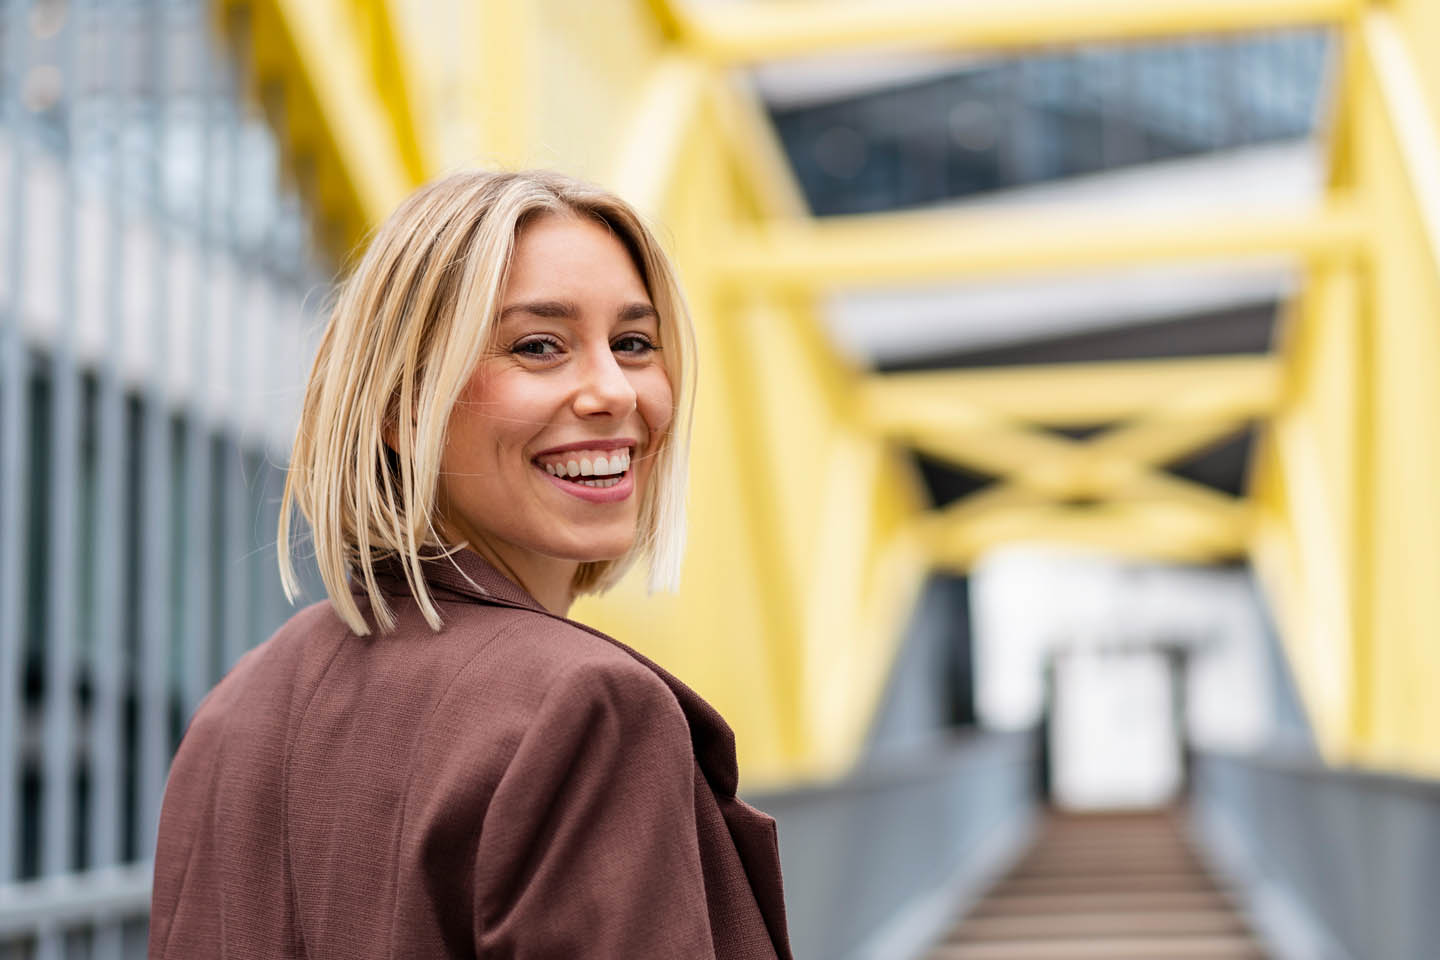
634, 344
536, 348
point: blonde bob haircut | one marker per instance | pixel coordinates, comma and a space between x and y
408, 327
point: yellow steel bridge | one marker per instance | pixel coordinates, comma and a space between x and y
810, 533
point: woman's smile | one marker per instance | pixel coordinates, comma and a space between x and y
597, 472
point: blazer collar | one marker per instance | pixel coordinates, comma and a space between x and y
470, 576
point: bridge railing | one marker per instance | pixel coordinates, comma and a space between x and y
877, 862
1334, 864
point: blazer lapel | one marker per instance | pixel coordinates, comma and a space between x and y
758, 844
753, 831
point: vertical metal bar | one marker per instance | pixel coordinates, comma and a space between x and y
236, 496
268, 614
14, 435
197, 589
110, 489
107, 557
292, 264
154, 754
57, 853
261, 525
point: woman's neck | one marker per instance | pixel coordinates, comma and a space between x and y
546, 579
549, 580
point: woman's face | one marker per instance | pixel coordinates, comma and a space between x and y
552, 441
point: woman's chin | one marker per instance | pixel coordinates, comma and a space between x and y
596, 551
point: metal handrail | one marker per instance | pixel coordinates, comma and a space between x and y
69, 900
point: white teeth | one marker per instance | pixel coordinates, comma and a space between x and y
607, 482
610, 467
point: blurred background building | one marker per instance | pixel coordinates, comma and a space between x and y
1064, 546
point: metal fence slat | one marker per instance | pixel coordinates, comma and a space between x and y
154, 753
60, 703
14, 451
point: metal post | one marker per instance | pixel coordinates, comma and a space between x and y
154, 753
235, 579
199, 670
57, 853
14, 435
111, 494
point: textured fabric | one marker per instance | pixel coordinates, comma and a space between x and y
514, 786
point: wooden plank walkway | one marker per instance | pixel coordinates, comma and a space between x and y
1112, 886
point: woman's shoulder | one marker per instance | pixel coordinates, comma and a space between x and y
547, 682
545, 658
489, 677
531, 649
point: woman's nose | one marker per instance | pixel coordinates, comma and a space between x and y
604, 388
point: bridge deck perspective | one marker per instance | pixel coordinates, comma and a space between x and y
1115, 886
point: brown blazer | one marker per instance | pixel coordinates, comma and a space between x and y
516, 785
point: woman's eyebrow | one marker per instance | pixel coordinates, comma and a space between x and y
638, 311
567, 310
549, 309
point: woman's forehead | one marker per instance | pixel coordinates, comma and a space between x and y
569, 256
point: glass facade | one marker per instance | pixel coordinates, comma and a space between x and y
1046, 116
159, 289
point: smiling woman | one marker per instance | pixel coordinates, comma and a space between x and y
527, 309
436, 762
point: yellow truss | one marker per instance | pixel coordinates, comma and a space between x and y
925, 247
809, 533
1108, 490
339, 84
754, 31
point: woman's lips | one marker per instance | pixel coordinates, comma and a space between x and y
615, 494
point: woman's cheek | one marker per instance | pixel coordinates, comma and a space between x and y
656, 402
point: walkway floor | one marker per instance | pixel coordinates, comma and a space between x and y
1113, 886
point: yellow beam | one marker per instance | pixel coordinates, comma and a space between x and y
1411, 118
1044, 460
1051, 467
756, 149
325, 53
833, 595
1162, 530
884, 249
501, 79
668, 17
1173, 407
400, 84
1161, 439
780, 578
1155, 486
650, 149
747, 32
1080, 394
